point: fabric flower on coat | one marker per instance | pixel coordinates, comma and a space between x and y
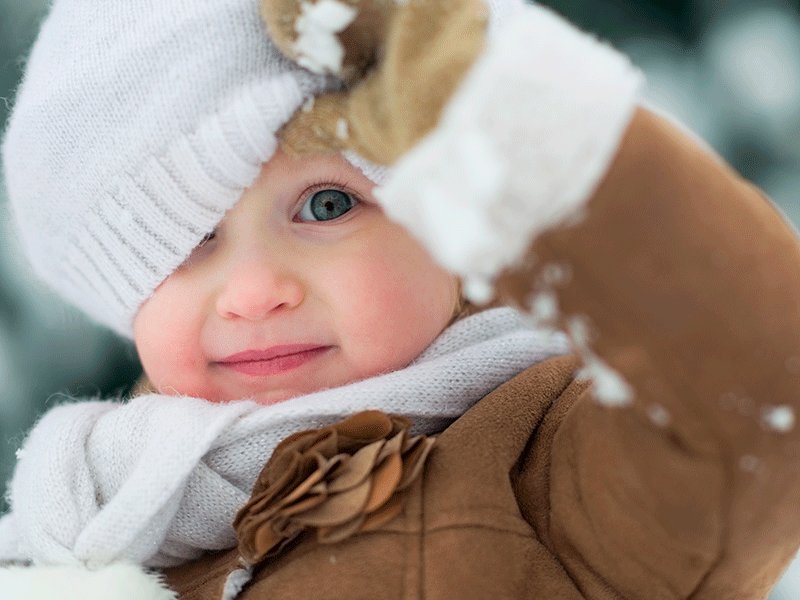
337, 481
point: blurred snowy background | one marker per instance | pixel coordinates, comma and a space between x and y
728, 69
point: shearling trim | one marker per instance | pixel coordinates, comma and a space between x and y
519, 149
115, 582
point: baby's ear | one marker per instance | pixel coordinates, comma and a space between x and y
309, 33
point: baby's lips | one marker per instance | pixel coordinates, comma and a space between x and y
269, 353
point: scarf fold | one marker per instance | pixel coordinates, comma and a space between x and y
157, 480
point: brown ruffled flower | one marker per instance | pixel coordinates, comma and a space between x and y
337, 480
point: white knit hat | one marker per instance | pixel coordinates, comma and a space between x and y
137, 125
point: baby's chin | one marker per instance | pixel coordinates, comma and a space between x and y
265, 393
278, 396
265, 398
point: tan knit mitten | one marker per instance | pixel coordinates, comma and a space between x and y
400, 61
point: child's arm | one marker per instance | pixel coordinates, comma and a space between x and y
680, 284
684, 281
689, 282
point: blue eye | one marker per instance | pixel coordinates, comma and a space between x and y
326, 205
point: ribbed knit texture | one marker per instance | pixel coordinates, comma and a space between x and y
158, 480
136, 127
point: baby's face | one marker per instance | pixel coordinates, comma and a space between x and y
309, 278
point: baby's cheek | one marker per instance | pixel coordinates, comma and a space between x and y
186, 371
402, 307
171, 357
379, 291
180, 377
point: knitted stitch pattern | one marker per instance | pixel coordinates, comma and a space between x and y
135, 128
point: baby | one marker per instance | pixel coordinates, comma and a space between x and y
314, 231
304, 285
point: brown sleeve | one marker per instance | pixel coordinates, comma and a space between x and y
690, 281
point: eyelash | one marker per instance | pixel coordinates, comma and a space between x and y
340, 185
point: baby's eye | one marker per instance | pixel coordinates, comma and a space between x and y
326, 205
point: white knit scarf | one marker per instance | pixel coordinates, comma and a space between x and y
157, 480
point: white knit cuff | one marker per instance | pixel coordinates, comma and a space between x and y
519, 149
119, 581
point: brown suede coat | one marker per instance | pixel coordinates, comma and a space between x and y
691, 282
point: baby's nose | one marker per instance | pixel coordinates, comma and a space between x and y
254, 290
